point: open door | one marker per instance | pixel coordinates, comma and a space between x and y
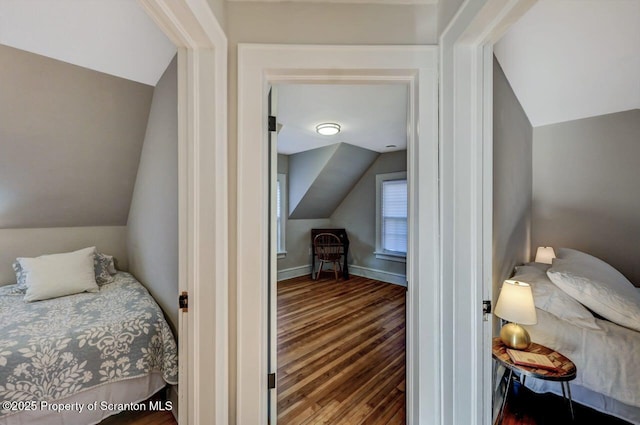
273, 258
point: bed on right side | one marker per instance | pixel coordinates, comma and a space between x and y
589, 312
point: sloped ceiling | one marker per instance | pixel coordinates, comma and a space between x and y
70, 142
572, 59
320, 179
116, 37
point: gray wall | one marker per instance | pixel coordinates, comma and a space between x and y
297, 232
34, 242
446, 11
357, 214
70, 143
152, 231
586, 188
218, 8
298, 242
512, 181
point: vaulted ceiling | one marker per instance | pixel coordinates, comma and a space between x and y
115, 37
572, 59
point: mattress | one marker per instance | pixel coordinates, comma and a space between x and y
608, 376
62, 348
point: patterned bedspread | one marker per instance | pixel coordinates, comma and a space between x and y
53, 349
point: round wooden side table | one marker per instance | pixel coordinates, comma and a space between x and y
565, 370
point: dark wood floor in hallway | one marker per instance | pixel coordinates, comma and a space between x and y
341, 352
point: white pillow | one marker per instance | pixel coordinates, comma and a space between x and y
598, 286
57, 275
550, 298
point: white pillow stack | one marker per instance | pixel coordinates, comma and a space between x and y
598, 286
57, 275
552, 299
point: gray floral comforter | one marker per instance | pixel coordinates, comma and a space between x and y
55, 348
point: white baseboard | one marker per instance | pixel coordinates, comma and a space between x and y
285, 274
381, 275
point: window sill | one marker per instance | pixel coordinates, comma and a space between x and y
391, 256
282, 254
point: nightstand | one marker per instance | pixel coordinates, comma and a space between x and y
566, 370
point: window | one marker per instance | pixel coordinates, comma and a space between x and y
391, 216
281, 213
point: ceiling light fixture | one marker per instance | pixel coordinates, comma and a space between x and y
328, 128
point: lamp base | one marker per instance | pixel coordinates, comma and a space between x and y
515, 336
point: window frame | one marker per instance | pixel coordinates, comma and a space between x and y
281, 182
381, 253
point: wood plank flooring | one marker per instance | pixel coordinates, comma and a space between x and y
143, 417
341, 352
140, 418
524, 407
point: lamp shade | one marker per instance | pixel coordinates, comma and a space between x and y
515, 303
545, 254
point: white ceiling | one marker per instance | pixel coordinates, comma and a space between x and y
116, 37
572, 59
370, 116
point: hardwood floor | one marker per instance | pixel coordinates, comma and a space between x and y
524, 407
143, 417
341, 352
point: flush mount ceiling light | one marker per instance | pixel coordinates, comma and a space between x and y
328, 128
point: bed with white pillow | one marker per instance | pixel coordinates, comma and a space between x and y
74, 330
606, 346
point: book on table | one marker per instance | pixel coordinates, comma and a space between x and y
525, 358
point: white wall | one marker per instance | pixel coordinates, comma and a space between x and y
306, 23
586, 192
34, 242
152, 229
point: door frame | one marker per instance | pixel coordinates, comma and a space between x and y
203, 335
466, 163
260, 65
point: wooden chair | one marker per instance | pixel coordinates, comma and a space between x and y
328, 249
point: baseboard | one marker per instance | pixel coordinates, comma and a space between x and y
381, 275
172, 396
285, 274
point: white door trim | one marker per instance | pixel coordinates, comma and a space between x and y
466, 142
202, 206
262, 65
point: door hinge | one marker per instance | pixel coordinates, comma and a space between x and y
486, 309
271, 381
272, 123
183, 301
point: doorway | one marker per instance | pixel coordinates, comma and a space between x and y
261, 66
338, 332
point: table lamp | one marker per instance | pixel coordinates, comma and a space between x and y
545, 254
515, 305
